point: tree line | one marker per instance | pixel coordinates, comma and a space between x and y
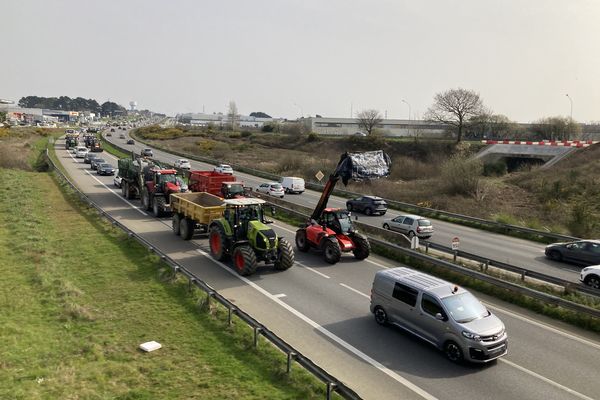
65, 103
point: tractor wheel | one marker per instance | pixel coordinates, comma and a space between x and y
158, 205
146, 199
186, 228
331, 250
244, 260
286, 255
123, 188
362, 247
216, 240
127, 192
176, 223
301, 240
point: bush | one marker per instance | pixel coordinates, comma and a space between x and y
461, 175
234, 136
495, 169
583, 221
246, 134
268, 128
312, 137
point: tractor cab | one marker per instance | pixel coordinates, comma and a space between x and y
232, 190
243, 214
337, 220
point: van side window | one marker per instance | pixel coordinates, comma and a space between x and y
405, 294
431, 305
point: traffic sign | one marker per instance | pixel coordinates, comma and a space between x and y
319, 175
455, 243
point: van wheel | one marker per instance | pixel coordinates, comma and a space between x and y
453, 352
411, 234
386, 226
380, 316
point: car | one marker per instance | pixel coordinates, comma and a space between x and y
362, 134
96, 161
293, 184
182, 163
105, 169
224, 169
117, 179
88, 157
367, 204
81, 152
121, 136
586, 252
271, 189
410, 225
130, 141
109, 134
112, 129
591, 276
147, 153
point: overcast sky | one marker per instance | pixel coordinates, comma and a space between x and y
303, 56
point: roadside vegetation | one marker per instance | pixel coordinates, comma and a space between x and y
78, 297
432, 173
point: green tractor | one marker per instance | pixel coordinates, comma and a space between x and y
242, 234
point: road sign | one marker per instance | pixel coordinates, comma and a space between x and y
319, 175
455, 243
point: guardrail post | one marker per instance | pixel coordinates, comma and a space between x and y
454, 254
426, 248
256, 331
290, 356
523, 275
230, 312
191, 284
330, 387
487, 264
208, 296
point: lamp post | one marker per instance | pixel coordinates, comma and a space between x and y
571, 118
409, 113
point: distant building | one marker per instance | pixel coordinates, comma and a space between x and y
220, 119
388, 127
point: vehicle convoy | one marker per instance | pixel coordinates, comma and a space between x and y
330, 229
149, 181
216, 183
237, 228
70, 141
445, 315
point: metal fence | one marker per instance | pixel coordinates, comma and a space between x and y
293, 355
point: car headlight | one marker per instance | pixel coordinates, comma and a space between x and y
471, 335
586, 269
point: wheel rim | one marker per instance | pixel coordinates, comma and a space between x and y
368, 211
594, 282
239, 261
386, 226
329, 251
411, 234
380, 316
453, 352
215, 243
301, 240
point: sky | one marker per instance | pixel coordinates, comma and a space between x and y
305, 57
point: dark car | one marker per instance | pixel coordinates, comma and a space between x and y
130, 141
88, 157
147, 153
105, 169
585, 252
112, 129
96, 161
367, 204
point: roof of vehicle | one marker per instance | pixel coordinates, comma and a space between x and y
369, 197
422, 281
224, 165
413, 216
243, 201
105, 165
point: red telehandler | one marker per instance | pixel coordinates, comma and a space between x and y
330, 229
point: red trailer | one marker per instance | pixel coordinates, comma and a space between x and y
222, 185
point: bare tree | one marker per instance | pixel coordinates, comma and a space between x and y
556, 128
368, 119
232, 116
454, 107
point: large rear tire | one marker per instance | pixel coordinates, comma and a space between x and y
176, 223
362, 247
286, 256
331, 250
244, 260
216, 240
145, 197
301, 240
186, 229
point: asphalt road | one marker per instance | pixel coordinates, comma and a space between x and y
518, 252
323, 311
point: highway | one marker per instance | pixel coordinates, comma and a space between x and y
323, 310
515, 251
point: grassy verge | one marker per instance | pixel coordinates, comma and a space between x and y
78, 297
108, 147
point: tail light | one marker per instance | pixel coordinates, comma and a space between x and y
418, 229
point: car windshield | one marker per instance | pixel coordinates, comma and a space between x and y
225, 167
168, 178
345, 221
424, 222
99, 160
106, 166
464, 307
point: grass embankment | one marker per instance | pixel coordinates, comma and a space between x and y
78, 297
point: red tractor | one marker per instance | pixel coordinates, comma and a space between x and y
330, 229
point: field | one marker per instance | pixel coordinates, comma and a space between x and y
78, 297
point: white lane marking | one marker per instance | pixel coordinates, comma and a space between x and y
313, 270
543, 378
378, 264
544, 326
285, 229
280, 295
327, 333
355, 291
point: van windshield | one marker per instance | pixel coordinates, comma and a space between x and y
464, 307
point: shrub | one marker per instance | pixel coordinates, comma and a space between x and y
246, 134
268, 128
312, 137
235, 135
461, 175
583, 221
221, 150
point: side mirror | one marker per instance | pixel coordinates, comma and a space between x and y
440, 317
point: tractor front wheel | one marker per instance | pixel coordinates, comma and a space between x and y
285, 257
362, 247
216, 240
331, 250
158, 205
301, 240
244, 260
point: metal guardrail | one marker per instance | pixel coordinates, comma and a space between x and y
293, 355
431, 212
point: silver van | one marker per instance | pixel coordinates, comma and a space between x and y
445, 315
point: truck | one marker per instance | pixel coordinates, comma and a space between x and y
237, 229
96, 145
70, 141
217, 183
151, 182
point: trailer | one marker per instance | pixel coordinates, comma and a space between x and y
194, 211
217, 183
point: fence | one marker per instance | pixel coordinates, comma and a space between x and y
332, 383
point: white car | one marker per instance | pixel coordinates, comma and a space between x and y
591, 276
117, 179
81, 152
182, 163
224, 169
271, 188
410, 225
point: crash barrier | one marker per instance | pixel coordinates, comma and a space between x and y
403, 248
293, 355
407, 207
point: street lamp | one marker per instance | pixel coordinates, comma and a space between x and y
571, 120
409, 113
571, 101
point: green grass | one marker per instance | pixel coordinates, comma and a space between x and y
77, 297
108, 147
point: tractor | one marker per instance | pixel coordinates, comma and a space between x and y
242, 234
330, 229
